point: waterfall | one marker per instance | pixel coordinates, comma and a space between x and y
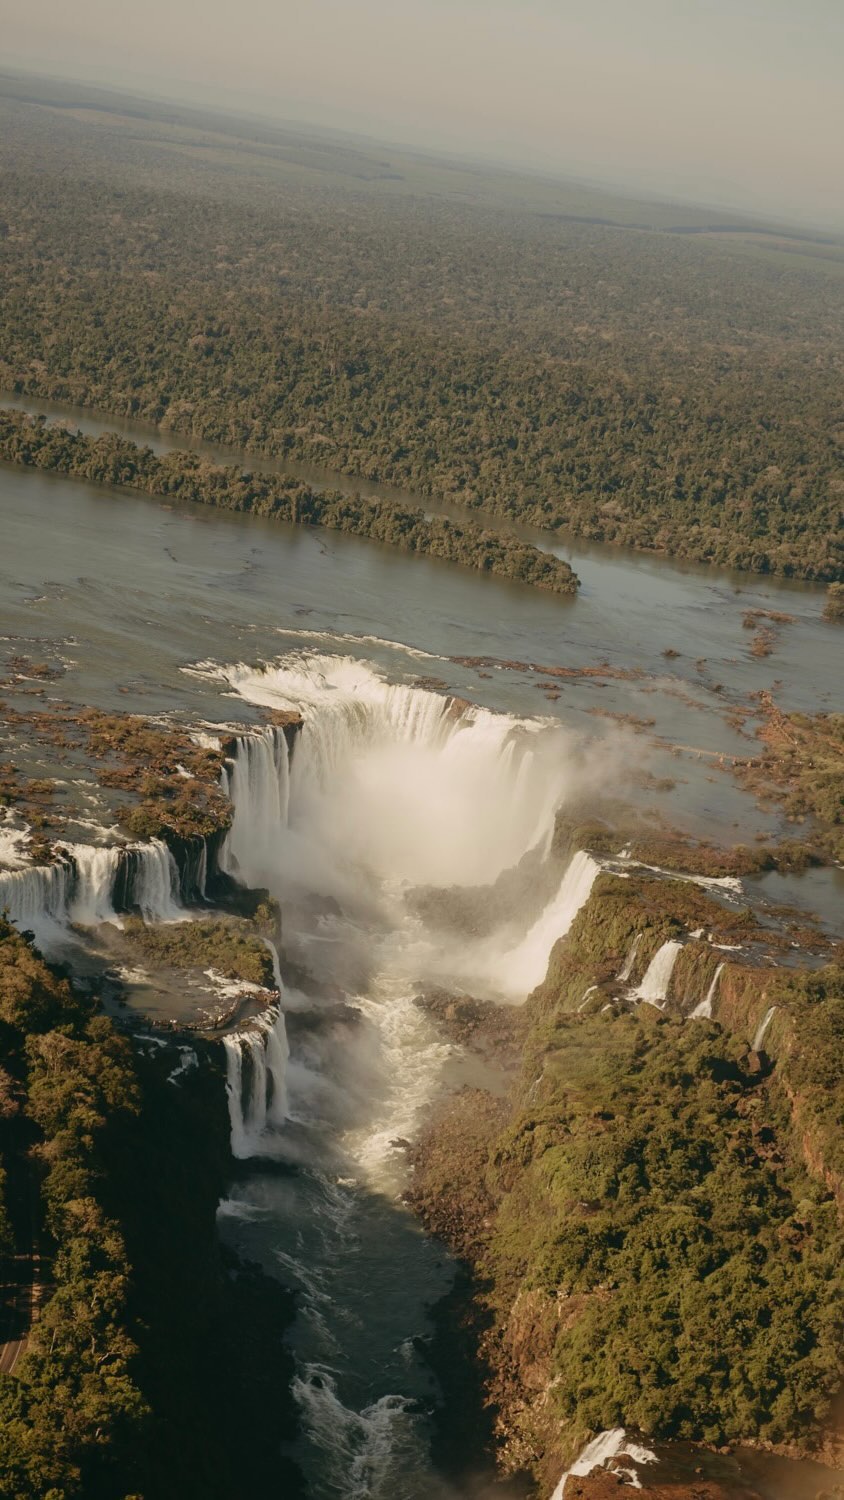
703, 1011
155, 888
92, 895
278, 1049
400, 783
257, 1093
257, 782
255, 1044
597, 1454
627, 968
763, 1027
654, 986
36, 898
525, 966
234, 1090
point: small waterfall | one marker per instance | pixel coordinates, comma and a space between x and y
278, 1049
654, 986
259, 1099
93, 889
525, 967
627, 967
255, 1044
598, 1453
703, 1011
763, 1027
155, 887
234, 1090
257, 783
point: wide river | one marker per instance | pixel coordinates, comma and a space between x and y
126, 592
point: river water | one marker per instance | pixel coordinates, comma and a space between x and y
205, 615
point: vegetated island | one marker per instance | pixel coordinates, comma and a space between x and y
184, 476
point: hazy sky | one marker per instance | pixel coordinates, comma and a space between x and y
732, 101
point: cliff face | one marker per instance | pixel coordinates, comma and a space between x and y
651, 1219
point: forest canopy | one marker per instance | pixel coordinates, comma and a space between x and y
671, 392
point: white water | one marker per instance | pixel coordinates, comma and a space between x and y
156, 884
599, 1452
93, 888
524, 968
627, 967
258, 785
657, 978
278, 1049
703, 1011
79, 889
389, 788
257, 1093
763, 1027
36, 899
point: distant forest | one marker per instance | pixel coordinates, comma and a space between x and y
475, 340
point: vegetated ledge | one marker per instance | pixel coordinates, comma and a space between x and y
113, 460
650, 1224
156, 1365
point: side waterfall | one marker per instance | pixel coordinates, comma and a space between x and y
763, 1027
82, 888
703, 1011
655, 984
525, 967
256, 1081
598, 1453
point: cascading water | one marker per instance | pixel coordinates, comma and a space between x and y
703, 1011
525, 967
657, 978
155, 887
389, 789
96, 869
257, 782
36, 898
278, 1048
598, 1453
763, 1027
257, 1092
627, 968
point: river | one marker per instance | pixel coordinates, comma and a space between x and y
204, 615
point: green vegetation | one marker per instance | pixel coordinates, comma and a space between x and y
469, 338
652, 1222
184, 476
228, 945
834, 607
803, 767
155, 1369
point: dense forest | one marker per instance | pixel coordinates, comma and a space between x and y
624, 384
145, 1374
184, 476
651, 1219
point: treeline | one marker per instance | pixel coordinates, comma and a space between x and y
154, 1369
630, 388
185, 476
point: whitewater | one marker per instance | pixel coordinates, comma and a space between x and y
387, 790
